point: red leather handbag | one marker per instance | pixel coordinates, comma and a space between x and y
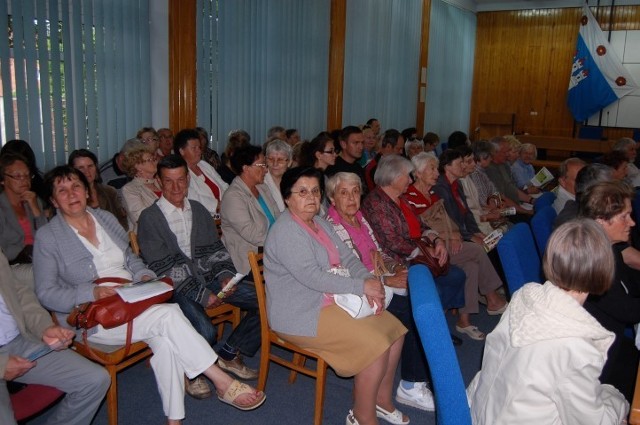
428, 258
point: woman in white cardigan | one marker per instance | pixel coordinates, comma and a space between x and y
542, 362
205, 184
248, 210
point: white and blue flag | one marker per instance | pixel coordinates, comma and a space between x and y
598, 77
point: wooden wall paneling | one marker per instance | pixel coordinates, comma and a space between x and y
182, 64
423, 63
523, 62
336, 63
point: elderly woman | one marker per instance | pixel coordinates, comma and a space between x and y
149, 136
627, 146
305, 264
205, 184
344, 190
248, 210
522, 169
396, 226
541, 363
80, 245
413, 147
140, 164
278, 154
609, 204
100, 195
469, 256
21, 212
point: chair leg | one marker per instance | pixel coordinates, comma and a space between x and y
298, 360
220, 331
321, 380
264, 365
112, 396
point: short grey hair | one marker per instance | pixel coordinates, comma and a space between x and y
278, 145
390, 167
415, 142
529, 147
622, 144
421, 160
341, 177
564, 165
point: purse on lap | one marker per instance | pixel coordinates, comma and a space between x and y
427, 257
357, 306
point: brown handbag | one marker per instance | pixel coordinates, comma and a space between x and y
112, 311
428, 258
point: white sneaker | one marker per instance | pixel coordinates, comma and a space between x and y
419, 396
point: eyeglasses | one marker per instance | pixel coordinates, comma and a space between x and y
19, 177
304, 192
329, 151
260, 164
277, 161
150, 139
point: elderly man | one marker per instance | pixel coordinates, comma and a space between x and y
178, 238
567, 182
26, 329
499, 172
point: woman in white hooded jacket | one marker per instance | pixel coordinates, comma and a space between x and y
542, 362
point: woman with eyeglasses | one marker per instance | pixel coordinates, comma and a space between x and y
149, 136
247, 209
21, 210
100, 195
140, 164
305, 264
279, 155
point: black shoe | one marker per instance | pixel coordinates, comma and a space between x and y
455, 340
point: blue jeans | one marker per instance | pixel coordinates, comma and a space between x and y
413, 363
246, 337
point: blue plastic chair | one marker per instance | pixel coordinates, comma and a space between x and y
452, 407
544, 200
519, 257
542, 226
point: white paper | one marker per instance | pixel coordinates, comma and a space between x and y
143, 291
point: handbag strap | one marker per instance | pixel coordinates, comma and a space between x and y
120, 280
127, 347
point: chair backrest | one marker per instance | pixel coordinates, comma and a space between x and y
519, 257
33, 399
452, 407
544, 200
257, 269
133, 242
542, 226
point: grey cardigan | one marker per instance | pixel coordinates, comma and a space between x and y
244, 224
296, 275
63, 268
11, 234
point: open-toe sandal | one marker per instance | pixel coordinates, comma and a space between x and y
235, 390
472, 331
396, 417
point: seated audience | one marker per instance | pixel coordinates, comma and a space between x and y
178, 239
165, 146
143, 190
278, 155
235, 140
81, 244
457, 138
619, 162
370, 145
470, 257
100, 195
292, 137
343, 190
22, 148
26, 329
248, 210
569, 169
205, 184
627, 146
112, 171
305, 264
21, 215
319, 153
499, 172
351, 146
413, 147
374, 124
514, 152
431, 142
391, 142
609, 204
209, 155
276, 132
522, 169
396, 226
541, 363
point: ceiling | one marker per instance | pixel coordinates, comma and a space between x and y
492, 5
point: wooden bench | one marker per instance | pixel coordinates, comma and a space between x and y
567, 144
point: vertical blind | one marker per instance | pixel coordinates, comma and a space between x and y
74, 74
262, 63
452, 35
382, 62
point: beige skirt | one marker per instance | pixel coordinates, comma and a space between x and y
349, 345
